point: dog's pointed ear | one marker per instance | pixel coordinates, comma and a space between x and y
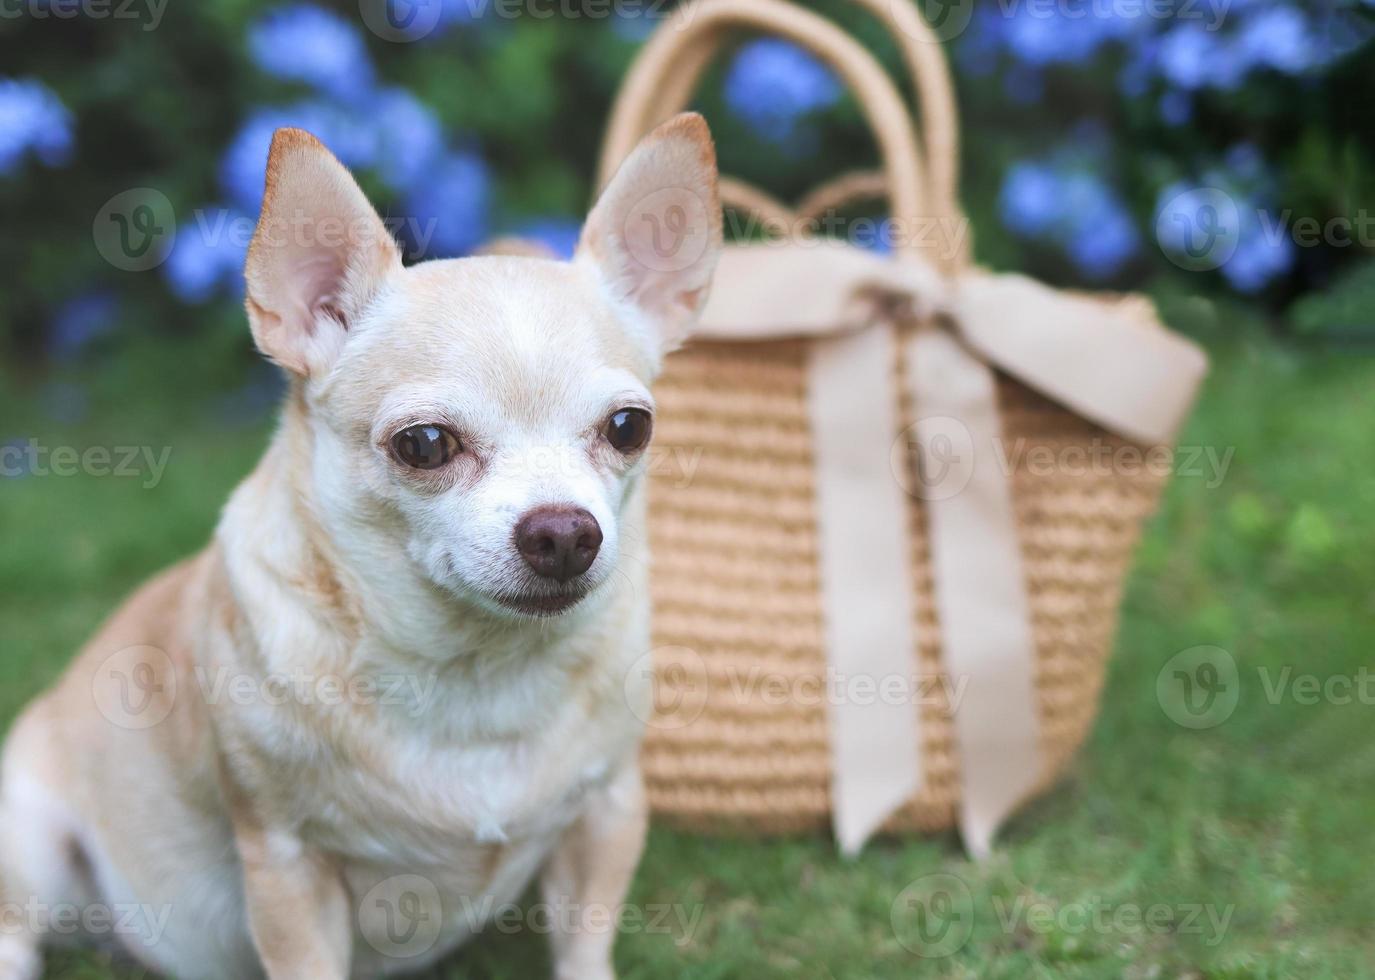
319, 254
655, 233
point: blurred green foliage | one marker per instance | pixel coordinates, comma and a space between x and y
157, 108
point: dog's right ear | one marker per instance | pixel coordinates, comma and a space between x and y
655, 233
320, 253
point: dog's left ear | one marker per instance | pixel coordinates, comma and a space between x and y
319, 255
655, 233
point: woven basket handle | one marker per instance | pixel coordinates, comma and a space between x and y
935, 90
698, 29
664, 77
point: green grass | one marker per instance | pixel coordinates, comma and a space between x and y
1260, 820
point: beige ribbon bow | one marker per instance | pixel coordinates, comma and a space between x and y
1102, 359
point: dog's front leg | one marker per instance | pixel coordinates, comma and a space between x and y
589, 876
298, 907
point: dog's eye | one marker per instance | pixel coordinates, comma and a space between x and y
425, 447
628, 430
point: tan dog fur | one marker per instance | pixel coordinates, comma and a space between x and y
279, 835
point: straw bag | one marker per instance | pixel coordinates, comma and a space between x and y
895, 498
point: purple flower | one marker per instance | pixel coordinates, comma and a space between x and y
244, 164
1263, 254
80, 320
772, 84
1100, 236
1279, 38
312, 45
1142, 64
1196, 221
1224, 226
875, 236
1035, 39
1030, 202
32, 120
1039, 35
1104, 241
559, 235
352, 137
409, 137
454, 13
1188, 55
449, 207
1063, 202
208, 255
1085, 194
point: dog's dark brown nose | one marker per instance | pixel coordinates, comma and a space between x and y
559, 542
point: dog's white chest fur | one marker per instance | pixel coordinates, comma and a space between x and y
457, 767
440, 805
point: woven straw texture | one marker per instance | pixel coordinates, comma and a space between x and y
740, 739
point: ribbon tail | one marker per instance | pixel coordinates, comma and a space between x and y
980, 589
866, 580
